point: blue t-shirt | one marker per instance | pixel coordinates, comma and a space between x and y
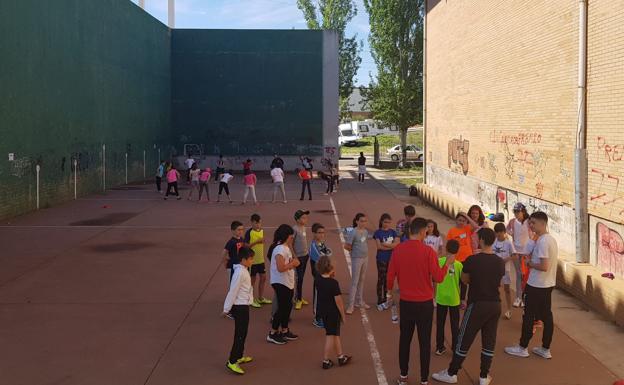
384, 236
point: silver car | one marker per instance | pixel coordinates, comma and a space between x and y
413, 152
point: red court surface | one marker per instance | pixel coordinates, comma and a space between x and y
126, 288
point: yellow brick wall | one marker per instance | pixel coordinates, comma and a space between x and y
605, 109
501, 92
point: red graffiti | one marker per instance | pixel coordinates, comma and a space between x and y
521, 138
539, 190
603, 196
458, 153
524, 157
609, 250
614, 153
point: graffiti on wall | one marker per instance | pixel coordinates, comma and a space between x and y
605, 195
458, 154
609, 249
612, 152
518, 138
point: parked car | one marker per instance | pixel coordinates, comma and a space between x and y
347, 136
413, 152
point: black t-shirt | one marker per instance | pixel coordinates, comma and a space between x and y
326, 290
361, 161
486, 272
232, 246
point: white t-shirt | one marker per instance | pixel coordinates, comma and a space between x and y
189, 162
227, 177
286, 278
277, 174
504, 249
520, 235
434, 242
545, 247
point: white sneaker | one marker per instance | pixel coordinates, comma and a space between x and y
444, 376
381, 307
517, 302
542, 352
365, 305
517, 351
485, 381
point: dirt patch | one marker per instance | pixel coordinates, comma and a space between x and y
323, 211
106, 220
119, 247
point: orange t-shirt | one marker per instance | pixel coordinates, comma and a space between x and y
465, 243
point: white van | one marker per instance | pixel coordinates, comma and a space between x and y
347, 136
371, 127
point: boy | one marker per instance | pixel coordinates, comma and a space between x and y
232, 247
223, 185
305, 177
361, 168
331, 309
483, 272
189, 162
504, 248
160, 172
447, 299
317, 250
254, 237
462, 233
300, 248
277, 174
402, 227
236, 305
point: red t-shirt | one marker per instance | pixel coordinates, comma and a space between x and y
305, 175
415, 265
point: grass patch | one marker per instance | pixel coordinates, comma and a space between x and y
385, 141
408, 182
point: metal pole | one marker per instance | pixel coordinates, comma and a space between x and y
171, 14
126, 168
424, 105
144, 166
103, 167
75, 179
580, 153
38, 168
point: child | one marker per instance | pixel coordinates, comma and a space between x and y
518, 228
361, 168
194, 176
505, 250
357, 244
250, 187
434, 239
254, 237
402, 227
220, 168
172, 182
247, 166
305, 177
204, 178
189, 164
223, 185
476, 220
462, 233
317, 250
447, 299
386, 239
231, 248
237, 301
301, 250
277, 174
160, 172
330, 182
331, 310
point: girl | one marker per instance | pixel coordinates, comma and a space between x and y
461, 233
331, 310
223, 185
194, 177
476, 220
204, 178
220, 168
518, 228
357, 244
386, 239
250, 187
283, 267
172, 182
434, 239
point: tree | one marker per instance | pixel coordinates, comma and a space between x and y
396, 41
334, 15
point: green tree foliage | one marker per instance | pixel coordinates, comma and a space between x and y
334, 15
396, 40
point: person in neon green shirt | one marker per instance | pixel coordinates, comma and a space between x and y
448, 299
255, 239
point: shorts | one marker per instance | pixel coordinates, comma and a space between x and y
195, 183
332, 324
506, 280
361, 169
257, 269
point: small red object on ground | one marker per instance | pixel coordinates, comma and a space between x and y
610, 276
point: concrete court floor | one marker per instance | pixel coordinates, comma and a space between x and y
125, 288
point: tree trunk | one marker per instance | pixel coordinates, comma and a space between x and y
403, 147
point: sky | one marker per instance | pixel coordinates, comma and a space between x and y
258, 14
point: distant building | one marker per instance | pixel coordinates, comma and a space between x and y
359, 109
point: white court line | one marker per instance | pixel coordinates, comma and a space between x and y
375, 355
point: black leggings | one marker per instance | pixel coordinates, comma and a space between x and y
479, 316
171, 185
537, 306
419, 316
382, 281
204, 186
301, 269
224, 186
441, 311
158, 183
241, 325
284, 306
314, 294
304, 184
330, 185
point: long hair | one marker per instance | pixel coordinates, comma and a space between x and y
481, 219
525, 215
384, 217
279, 237
436, 232
358, 216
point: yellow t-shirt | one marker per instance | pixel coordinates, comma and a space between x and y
253, 236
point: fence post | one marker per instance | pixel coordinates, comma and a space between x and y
38, 169
75, 178
376, 152
126, 168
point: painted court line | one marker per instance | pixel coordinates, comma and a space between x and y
375, 355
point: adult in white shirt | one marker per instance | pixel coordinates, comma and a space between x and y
283, 267
539, 287
518, 228
277, 174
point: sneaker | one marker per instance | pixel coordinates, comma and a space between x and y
327, 364
318, 323
264, 301
229, 315
289, 336
349, 311
542, 352
304, 302
440, 351
381, 307
298, 305
402, 380
179, 199
444, 376
276, 338
517, 351
234, 368
365, 305
508, 314
244, 360
343, 360
485, 381
517, 302
255, 304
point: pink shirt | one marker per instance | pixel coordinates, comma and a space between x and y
172, 176
205, 176
250, 179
